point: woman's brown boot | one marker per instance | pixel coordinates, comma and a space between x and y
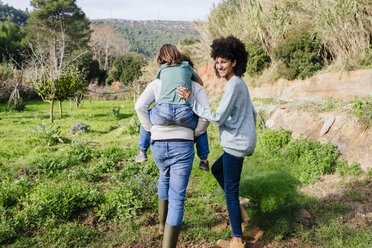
244, 214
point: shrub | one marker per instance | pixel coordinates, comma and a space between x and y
12, 191
119, 203
70, 235
273, 140
81, 150
79, 128
257, 58
50, 202
51, 165
362, 108
132, 127
312, 158
43, 134
343, 168
301, 54
116, 112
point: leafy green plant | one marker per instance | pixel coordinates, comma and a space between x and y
257, 58
116, 112
312, 158
132, 127
51, 202
362, 107
119, 203
81, 149
49, 135
70, 235
343, 168
273, 140
301, 54
12, 191
51, 165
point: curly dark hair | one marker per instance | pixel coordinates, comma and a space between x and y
233, 49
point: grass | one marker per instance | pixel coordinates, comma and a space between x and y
88, 185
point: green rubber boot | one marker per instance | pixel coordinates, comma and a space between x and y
163, 211
170, 237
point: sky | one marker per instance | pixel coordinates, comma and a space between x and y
190, 10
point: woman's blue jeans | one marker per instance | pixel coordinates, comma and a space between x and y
202, 146
227, 170
174, 161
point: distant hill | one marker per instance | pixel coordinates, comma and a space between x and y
147, 37
11, 14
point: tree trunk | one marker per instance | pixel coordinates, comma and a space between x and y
70, 107
51, 111
60, 109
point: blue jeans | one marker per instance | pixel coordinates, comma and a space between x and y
174, 161
202, 146
173, 114
227, 170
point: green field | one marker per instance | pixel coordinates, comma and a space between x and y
63, 190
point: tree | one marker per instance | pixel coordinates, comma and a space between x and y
10, 14
106, 44
57, 29
11, 42
126, 68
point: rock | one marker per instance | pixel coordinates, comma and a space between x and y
304, 217
78, 128
327, 124
219, 227
252, 232
244, 201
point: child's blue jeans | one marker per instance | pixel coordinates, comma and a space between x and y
170, 114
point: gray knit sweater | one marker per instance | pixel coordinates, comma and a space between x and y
235, 117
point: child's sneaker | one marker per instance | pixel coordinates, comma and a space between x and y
141, 157
204, 165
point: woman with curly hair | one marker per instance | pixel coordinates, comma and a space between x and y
236, 119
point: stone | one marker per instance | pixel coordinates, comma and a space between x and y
220, 227
304, 217
252, 232
327, 124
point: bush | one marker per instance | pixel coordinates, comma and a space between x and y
51, 202
301, 55
81, 150
312, 158
70, 235
133, 127
273, 140
52, 165
43, 134
116, 112
343, 168
79, 128
126, 68
257, 58
362, 108
120, 203
12, 191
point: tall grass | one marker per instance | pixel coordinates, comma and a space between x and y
344, 26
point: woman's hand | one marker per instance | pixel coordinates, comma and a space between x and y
183, 92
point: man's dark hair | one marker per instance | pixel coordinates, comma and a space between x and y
233, 49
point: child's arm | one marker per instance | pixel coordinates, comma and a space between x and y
199, 81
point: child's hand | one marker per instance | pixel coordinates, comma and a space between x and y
183, 92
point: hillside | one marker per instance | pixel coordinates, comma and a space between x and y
11, 14
146, 37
